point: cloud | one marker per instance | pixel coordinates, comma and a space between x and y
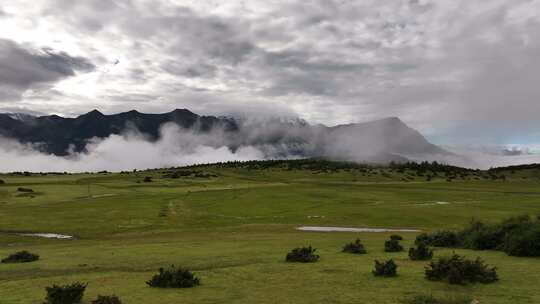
448, 68
129, 151
22, 69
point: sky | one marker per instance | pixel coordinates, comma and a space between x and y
461, 72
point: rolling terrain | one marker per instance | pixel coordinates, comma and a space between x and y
233, 223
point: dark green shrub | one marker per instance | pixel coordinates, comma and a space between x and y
357, 247
396, 237
66, 294
421, 253
21, 257
429, 299
2, 182
392, 246
107, 300
147, 179
458, 270
523, 242
21, 189
385, 269
173, 278
302, 255
439, 239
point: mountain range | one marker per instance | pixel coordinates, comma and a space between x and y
382, 140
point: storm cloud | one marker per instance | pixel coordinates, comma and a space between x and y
461, 72
22, 69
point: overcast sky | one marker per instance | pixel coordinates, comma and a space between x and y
460, 71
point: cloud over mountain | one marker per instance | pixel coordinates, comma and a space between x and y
448, 68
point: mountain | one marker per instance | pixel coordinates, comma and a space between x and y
377, 141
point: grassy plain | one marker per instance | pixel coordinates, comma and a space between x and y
234, 229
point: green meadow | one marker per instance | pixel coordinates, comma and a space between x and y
233, 225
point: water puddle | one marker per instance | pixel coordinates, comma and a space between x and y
48, 235
350, 229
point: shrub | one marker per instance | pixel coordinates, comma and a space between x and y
443, 238
523, 242
429, 299
357, 247
21, 257
392, 246
517, 236
421, 253
21, 189
396, 237
458, 270
173, 278
107, 300
2, 182
147, 179
302, 255
385, 269
67, 294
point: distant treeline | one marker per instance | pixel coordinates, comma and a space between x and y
323, 165
517, 168
294, 164
316, 164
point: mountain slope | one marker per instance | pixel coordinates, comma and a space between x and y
377, 141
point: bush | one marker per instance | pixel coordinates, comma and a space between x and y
21, 189
385, 269
67, 294
421, 253
302, 255
107, 300
517, 236
523, 242
21, 257
396, 237
439, 239
429, 299
458, 270
2, 182
147, 179
357, 247
173, 278
392, 246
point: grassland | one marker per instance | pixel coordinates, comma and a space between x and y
233, 226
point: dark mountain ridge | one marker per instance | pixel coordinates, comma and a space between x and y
380, 141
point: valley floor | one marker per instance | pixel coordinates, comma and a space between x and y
233, 227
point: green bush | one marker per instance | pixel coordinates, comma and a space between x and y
21, 189
385, 269
458, 270
392, 246
21, 257
302, 255
147, 179
517, 236
66, 294
421, 253
443, 238
173, 278
107, 300
429, 299
357, 247
523, 242
396, 237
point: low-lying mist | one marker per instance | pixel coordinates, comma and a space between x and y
258, 141
131, 150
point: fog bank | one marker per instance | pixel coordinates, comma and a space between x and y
131, 150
